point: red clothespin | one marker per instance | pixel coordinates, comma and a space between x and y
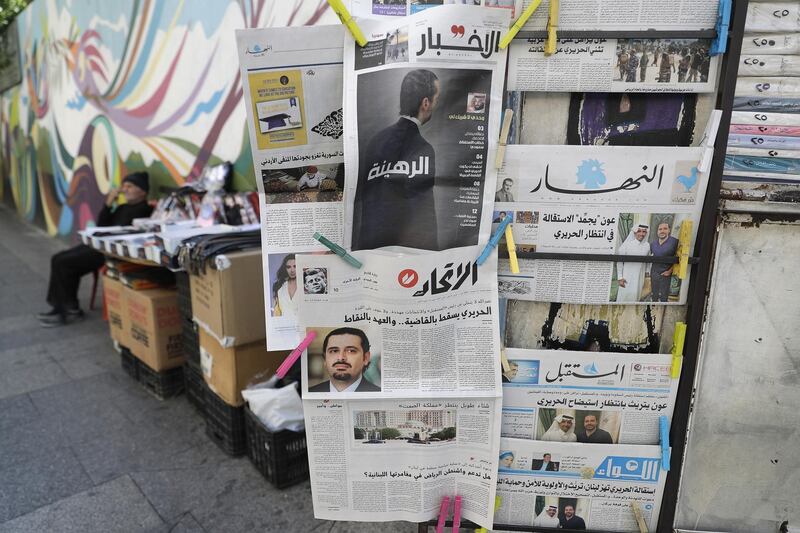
443, 514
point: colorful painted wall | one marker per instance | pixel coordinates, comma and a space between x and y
111, 87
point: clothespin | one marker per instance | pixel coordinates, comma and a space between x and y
295, 355
504, 360
684, 246
494, 240
519, 23
678, 339
501, 147
456, 514
663, 427
720, 42
338, 250
497, 501
552, 29
512, 250
443, 514
637, 512
344, 15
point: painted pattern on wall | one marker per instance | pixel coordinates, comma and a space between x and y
113, 87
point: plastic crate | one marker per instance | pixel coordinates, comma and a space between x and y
281, 457
195, 386
129, 362
184, 295
191, 342
225, 425
162, 385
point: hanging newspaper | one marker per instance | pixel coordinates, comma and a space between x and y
383, 460
422, 113
598, 200
424, 325
573, 486
293, 96
613, 65
562, 396
401, 8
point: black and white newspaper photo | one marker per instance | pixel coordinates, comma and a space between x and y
604, 200
422, 117
401, 326
293, 95
613, 65
386, 460
576, 487
563, 396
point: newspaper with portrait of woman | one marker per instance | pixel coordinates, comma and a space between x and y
602, 200
422, 114
565, 396
574, 486
293, 97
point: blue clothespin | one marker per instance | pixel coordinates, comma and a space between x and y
494, 240
720, 42
663, 426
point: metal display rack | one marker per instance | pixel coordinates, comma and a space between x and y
701, 265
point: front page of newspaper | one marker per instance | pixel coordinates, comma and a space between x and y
564, 396
573, 486
613, 65
422, 114
598, 200
293, 96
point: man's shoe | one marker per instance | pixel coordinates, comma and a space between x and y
73, 315
52, 321
47, 314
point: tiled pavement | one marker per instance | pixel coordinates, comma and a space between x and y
83, 448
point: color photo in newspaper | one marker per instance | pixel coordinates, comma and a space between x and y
563, 396
402, 326
598, 200
383, 460
422, 117
573, 486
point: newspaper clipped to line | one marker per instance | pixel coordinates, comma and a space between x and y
573, 486
422, 116
564, 396
382, 460
598, 200
401, 8
293, 97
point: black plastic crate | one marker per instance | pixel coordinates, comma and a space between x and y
129, 362
191, 342
162, 385
184, 294
195, 386
281, 457
225, 425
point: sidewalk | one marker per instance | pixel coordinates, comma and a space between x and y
85, 449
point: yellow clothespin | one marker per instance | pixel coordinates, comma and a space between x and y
519, 23
678, 339
637, 512
344, 15
552, 29
684, 246
504, 360
512, 250
497, 501
501, 147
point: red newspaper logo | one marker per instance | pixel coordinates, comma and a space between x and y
408, 278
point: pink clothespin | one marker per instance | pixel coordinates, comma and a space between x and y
457, 514
295, 355
443, 514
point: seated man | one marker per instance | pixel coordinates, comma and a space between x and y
67, 267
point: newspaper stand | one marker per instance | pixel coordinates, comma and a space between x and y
699, 264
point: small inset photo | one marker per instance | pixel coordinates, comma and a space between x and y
476, 102
315, 280
277, 115
345, 359
404, 428
396, 46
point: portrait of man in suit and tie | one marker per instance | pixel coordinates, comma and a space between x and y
545, 464
346, 354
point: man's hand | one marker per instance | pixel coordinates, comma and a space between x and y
622, 283
667, 273
111, 196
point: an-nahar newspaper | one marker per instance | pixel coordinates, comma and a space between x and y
422, 114
601, 200
401, 386
574, 486
292, 81
589, 397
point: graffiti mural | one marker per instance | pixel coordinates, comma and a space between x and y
114, 87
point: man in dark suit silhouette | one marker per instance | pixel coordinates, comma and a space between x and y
394, 204
545, 464
346, 352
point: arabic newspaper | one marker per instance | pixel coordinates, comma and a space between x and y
564, 396
401, 8
293, 94
422, 117
613, 65
582, 487
598, 200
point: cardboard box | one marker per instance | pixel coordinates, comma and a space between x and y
229, 303
155, 335
118, 323
228, 370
